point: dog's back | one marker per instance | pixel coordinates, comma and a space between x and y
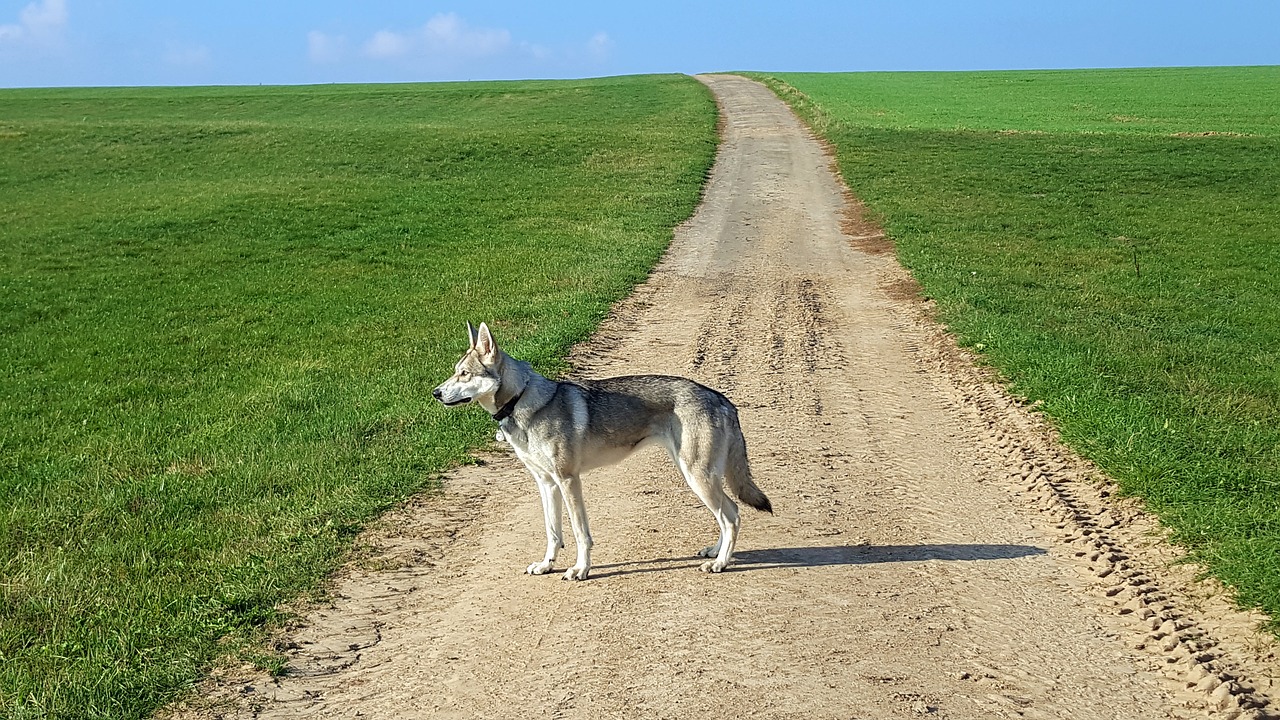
699, 426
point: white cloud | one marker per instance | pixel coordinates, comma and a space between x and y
386, 44
448, 34
446, 45
599, 46
324, 48
444, 37
47, 16
40, 22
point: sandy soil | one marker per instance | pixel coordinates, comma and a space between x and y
935, 552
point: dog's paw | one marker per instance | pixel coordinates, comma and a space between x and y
539, 568
709, 551
712, 566
576, 573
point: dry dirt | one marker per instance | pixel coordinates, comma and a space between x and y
935, 551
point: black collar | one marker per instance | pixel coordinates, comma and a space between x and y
505, 411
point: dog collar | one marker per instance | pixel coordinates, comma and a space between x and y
505, 411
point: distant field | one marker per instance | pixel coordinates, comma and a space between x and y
1110, 240
221, 314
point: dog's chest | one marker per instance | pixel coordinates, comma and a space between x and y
534, 454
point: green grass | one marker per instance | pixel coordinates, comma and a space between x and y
222, 311
1109, 240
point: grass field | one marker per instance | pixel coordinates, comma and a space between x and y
1110, 241
222, 313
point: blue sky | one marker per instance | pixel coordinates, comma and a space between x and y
146, 42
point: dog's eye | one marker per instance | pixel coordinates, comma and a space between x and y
463, 374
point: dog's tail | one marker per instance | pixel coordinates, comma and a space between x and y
737, 474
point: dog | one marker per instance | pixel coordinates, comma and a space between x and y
560, 429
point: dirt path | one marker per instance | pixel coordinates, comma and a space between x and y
934, 552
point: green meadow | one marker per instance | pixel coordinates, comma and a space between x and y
222, 311
1110, 242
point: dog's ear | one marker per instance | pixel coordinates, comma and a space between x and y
471, 335
484, 343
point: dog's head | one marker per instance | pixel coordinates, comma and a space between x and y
477, 375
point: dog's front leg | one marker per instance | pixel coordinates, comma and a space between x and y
571, 487
553, 516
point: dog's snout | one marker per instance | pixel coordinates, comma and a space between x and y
436, 393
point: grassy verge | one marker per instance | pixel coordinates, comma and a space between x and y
221, 314
1109, 240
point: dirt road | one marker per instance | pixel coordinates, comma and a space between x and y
934, 552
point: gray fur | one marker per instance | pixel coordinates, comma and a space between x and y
561, 429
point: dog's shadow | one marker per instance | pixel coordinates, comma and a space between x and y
827, 555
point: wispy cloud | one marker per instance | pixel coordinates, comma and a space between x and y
40, 23
447, 42
599, 46
323, 48
444, 37
386, 44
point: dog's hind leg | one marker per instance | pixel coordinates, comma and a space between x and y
571, 487
702, 481
553, 516
711, 551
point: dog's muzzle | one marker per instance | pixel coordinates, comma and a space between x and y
437, 394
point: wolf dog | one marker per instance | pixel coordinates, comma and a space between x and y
559, 429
